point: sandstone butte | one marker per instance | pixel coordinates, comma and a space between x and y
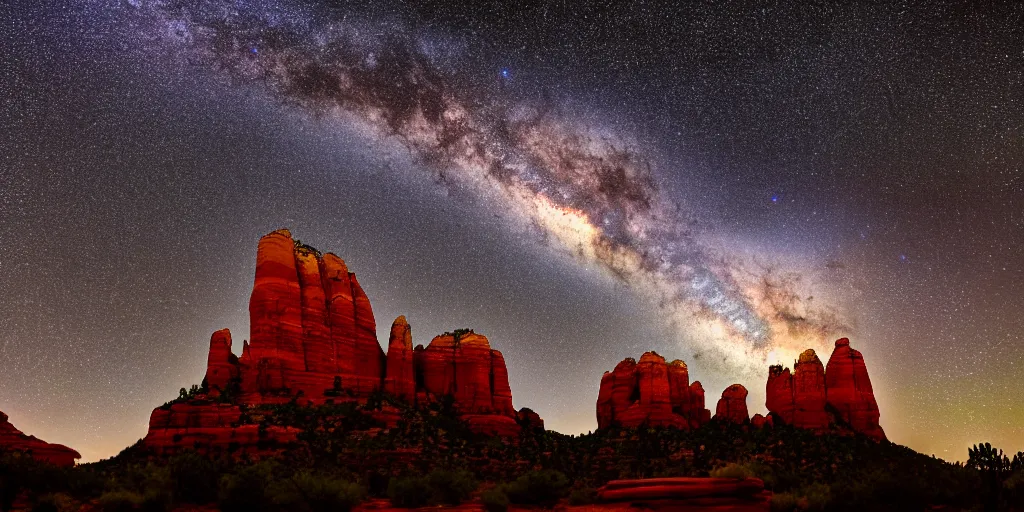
313, 339
812, 396
650, 392
13, 439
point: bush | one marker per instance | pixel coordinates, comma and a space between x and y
58, 502
120, 501
308, 492
783, 502
194, 478
450, 487
246, 490
1013, 487
409, 492
494, 500
543, 487
732, 470
155, 500
583, 496
815, 497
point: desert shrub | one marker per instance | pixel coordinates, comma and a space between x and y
308, 492
194, 478
155, 500
582, 496
246, 489
494, 500
543, 487
409, 491
1013, 489
450, 487
84, 483
783, 502
815, 497
732, 470
120, 501
58, 502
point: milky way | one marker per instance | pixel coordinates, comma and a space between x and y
589, 187
728, 183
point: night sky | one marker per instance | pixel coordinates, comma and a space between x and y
726, 184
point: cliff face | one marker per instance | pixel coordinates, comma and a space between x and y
650, 392
803, 398
15, 440
313, 339
849, 390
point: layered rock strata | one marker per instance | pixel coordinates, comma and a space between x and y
313, 339
12, 439
650, 392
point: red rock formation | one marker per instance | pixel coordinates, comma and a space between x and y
369, 357
275, 307
400, 380
685, 493
221, 364
759, 421
205, 425
850, 392
650, 392
313, 338
318, 351
800, 399
15, 440
679, 388
473, 374
502, 392
530, 419
732, 407
779, 393
466, 368
809, 392
437, 363
699, 413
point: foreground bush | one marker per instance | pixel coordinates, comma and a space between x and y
439, 487
543, 487
58, 502
194, 478
308, 492
120, 501
583, 496
409, 491
246, 490
450, 487
494, 500
731, 471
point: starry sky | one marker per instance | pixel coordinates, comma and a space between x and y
726, 184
